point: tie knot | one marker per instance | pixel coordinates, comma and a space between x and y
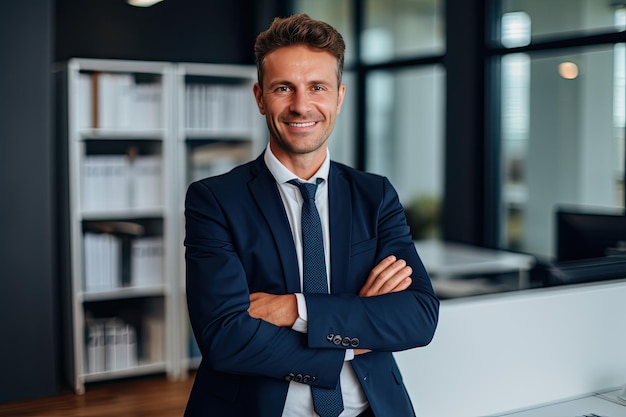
307, 189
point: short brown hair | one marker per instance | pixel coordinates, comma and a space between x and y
299, 29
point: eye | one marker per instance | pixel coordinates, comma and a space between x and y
283, 89
318, 88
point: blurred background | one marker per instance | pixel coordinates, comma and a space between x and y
486, 115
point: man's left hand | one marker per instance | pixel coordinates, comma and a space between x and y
280, 310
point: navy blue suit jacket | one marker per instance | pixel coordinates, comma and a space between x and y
238, 241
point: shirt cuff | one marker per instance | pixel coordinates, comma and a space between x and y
301, 325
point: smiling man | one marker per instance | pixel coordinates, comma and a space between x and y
302, 277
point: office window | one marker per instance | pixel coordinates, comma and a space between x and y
338, 13
402, 123
562, 130
560, 18
401, 28
405, 137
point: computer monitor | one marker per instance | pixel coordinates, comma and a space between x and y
586, 234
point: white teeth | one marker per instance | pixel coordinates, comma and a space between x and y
302, 124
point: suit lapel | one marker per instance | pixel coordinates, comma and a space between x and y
340, 207
265, 193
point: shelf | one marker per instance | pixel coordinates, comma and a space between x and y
222, 134
147, 369
112, 134
131, 213
123, 293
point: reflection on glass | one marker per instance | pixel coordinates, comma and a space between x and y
553, 17
562, 140
401, 28
405, 139
515, 29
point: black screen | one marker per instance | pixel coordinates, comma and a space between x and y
584, 235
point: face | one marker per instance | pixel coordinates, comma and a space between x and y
300, 99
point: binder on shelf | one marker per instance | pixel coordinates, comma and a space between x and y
220, 107
106, 182
111, 345
120, 345
147, 261
107, 253
121, 103
146, 182
153, 339
85, 118
103, 262
114, 182
95, 347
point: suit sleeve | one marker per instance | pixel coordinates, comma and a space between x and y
389, 322
231, 340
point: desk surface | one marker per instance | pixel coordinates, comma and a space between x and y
594, 405
449, 264
446, 258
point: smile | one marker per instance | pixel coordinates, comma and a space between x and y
308, 124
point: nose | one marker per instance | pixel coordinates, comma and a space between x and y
300, 102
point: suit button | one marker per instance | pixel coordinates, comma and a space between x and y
354, 342
330, 337
306, 379
337, 339
290, 377
345, 341
298, 378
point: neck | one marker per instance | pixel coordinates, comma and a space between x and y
304, 165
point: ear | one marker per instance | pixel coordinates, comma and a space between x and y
340, 96
258, 95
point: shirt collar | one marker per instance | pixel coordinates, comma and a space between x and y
283, 175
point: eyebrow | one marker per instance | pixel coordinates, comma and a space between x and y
290, 83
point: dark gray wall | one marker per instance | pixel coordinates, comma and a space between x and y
28, 324
213, 31
34, 35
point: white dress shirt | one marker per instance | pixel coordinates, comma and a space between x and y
299, 402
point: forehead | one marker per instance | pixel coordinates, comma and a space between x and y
300, 61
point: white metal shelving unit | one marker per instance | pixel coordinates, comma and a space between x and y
110, 118
206, 122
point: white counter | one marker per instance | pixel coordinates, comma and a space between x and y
496, 354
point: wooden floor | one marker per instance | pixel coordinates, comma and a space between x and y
146, 397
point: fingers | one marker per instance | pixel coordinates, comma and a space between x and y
390, 275
281, 310
256, 307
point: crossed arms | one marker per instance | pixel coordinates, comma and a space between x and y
390, 275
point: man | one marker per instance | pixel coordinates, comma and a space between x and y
271, 347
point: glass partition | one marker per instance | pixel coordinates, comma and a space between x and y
405, 138
562, 119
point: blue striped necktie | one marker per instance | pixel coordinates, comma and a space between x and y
327, 402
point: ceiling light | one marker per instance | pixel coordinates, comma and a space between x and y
568, 70
143, 3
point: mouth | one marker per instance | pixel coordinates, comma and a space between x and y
304, 124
